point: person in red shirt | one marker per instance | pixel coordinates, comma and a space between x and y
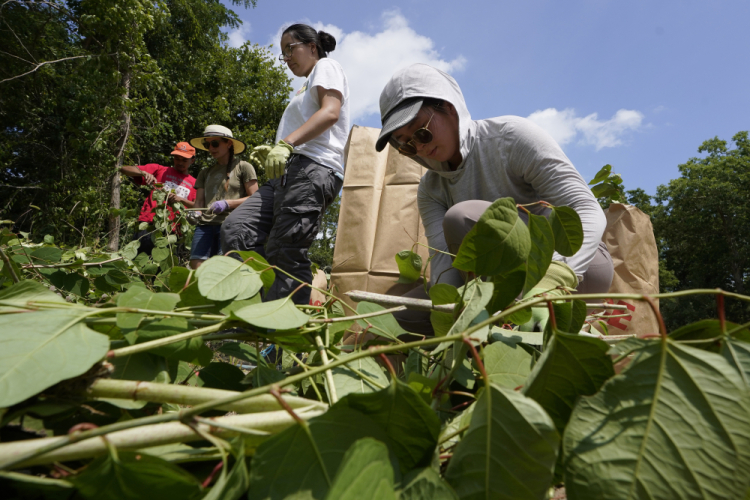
177, 180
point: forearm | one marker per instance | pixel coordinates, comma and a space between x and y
131, 171
236, 203
187, 203
319, 122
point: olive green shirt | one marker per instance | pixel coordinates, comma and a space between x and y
221, 182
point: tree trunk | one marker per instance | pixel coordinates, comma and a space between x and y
114, 222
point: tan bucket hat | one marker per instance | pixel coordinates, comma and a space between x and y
217, 131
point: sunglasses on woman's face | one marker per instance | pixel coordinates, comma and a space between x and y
422, 136
210, 144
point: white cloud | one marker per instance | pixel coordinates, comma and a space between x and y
239, 36
565, 126
369, 60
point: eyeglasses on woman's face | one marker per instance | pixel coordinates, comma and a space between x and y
421, 136
287, 52
214, 143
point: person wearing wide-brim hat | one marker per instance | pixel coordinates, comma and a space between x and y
221, 187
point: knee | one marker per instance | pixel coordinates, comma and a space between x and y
458, 221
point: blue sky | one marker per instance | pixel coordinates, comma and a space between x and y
637, 84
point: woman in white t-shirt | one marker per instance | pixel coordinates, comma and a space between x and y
305, 167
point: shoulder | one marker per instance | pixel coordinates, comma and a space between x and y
245, 168
152, 167
328, 68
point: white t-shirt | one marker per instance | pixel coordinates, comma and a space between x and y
328, 148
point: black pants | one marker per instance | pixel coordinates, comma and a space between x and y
147, 246
281, 220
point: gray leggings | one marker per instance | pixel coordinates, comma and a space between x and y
458, 221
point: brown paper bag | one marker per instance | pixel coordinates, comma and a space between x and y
630, 239
319, 281
378, 217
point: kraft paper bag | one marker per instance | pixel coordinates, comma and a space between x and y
630, 239
378, 217
319, 281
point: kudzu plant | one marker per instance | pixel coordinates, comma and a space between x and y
117, 394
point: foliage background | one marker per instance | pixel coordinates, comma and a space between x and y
136, 77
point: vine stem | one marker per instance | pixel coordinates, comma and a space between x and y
328, 373
152, 344
12, 271
721, 313
360, 316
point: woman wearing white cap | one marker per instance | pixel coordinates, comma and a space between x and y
223, 186
306, 166
474, 162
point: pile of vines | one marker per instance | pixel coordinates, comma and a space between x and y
109, 389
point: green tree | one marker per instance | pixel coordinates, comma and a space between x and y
702, 221
321, 251
86, 85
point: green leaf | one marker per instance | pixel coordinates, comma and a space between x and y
506, 288
160, 254
243, 351
737, 354
17, 296
570, 317
542, 248
140, 298
385, 325
409, 266
566, 224
130, 251
280, 314
509, 450
144, 366
40, 349
601, 175
49, 239
365, 474
674, 424
497, 244
426, 484
263, 375
221, 376
232, 485
184, 350
507, 363
709, 330
260, 265
134, 476
225, 278
348, 381
306, 458
571, 366
442, 294
476, 298
76, 284
177, 278
410, 422
47, 255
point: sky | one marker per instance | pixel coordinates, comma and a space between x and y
635, 84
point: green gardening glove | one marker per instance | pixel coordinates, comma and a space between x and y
276, 160
259, 155
558, 274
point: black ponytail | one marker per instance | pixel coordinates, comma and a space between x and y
325, 42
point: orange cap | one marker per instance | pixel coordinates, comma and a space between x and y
183, 149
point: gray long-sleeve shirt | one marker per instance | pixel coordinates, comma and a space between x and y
504, 156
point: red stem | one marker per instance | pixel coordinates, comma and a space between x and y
213, 474
552, 317
275, 393
662, 326
388, 365
478, 360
